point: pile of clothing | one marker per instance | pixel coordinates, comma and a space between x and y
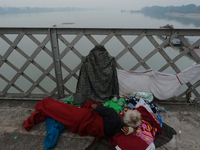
59, 116
143, 138
100, 81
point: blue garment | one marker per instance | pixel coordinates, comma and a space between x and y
160, 119
54, 129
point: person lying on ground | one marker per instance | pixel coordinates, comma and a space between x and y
90, 119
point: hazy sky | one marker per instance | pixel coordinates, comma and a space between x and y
122, 4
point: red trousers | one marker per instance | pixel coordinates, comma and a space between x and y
84, 120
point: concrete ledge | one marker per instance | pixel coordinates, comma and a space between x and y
184, 119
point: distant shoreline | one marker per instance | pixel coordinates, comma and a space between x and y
29, 10
190, 11
171, 14
184, 15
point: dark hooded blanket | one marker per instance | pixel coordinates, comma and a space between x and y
98, 77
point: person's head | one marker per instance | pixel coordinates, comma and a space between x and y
132, 118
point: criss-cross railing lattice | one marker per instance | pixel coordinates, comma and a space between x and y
61, 77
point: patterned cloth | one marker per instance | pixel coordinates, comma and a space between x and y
98, 77
146, 132
142, 137
134, 101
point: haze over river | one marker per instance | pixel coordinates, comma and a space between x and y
90, 19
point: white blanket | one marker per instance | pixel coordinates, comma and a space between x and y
162, 85
150, 147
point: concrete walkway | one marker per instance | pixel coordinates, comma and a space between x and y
185, 119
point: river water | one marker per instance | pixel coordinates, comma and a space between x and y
89, 19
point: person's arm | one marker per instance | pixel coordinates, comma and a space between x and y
127, 130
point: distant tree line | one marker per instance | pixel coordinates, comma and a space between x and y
191, 8
14, 10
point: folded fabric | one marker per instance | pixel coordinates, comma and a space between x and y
144, 95
117, 105
69, 100
162, 85
54, 129
142, 103
135, 102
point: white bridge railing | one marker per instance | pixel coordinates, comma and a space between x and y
45, 62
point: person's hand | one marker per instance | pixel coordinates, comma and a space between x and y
125, 130
94, 106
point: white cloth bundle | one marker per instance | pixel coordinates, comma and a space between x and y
162, 85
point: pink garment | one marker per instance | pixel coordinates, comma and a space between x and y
162, 85
144, 133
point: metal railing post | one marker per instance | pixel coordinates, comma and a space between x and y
57, 61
